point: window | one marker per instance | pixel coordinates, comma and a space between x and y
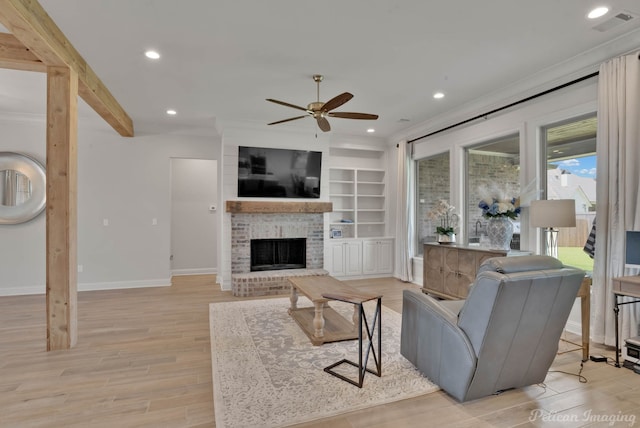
495, 163
570, 173
432, 185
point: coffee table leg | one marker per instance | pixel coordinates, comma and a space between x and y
318, 320
293, 298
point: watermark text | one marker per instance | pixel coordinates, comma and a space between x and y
612, 419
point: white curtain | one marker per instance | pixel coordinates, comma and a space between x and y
404, 212
618, 184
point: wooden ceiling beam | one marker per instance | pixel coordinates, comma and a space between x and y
31, 25
15, 55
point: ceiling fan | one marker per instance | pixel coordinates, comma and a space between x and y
320, 111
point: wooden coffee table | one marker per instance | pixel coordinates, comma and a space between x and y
321, 323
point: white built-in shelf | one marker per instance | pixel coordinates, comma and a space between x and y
358, 194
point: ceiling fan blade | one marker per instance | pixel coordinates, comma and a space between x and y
323, 124
287, 120
347, 115
337, 101
286, 104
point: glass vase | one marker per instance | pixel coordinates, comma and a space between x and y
500, 232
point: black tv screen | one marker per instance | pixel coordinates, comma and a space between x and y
632, 250
278, 173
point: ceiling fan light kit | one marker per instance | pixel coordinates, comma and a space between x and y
320, 111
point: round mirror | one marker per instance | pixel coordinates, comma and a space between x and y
22, 188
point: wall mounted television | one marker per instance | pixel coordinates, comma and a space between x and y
278, 173
632, 251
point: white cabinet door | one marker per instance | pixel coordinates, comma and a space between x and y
345, 258
369, 257
385, 256
337, 265
377, 256
353, 257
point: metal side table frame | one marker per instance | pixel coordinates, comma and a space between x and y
376, 325
628, 286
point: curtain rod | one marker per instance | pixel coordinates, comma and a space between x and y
524, 100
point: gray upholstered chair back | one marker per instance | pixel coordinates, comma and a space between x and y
514, 316
506, 333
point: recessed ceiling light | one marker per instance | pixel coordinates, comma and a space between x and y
171, 112
598, 12
438, 95
371, 130
152, 54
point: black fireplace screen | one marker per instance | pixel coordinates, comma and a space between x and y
276, 254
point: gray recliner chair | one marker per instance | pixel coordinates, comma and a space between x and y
504, 335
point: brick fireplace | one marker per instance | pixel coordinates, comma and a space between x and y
245, 227
264, 221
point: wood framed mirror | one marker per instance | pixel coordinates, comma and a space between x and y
22, 188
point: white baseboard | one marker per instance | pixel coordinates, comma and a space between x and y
145, 283
417, 264
198, 271
22, 291
40, 289
574, 327
225, 285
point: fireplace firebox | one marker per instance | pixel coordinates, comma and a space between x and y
277, 254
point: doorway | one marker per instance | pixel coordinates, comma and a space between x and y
194, 198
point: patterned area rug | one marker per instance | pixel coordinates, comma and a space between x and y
266, 373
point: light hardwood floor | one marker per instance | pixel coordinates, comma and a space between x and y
143, 359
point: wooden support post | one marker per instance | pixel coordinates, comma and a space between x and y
62, 121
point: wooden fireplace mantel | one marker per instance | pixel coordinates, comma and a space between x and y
278, 207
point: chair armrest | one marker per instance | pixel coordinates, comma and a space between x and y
433, 305
433, 342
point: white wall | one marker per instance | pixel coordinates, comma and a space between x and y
125, 181
22, 246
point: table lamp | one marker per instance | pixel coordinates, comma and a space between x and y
551, 214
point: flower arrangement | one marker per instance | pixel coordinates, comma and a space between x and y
443, 212
495, 203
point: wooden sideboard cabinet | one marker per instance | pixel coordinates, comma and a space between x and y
449, 270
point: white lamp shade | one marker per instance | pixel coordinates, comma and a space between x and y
553, 213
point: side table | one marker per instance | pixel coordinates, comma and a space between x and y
623, 286
358, 298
